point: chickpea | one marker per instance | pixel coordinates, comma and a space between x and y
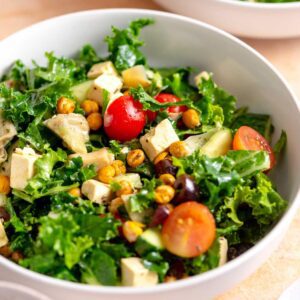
160, 157
75, 192
17, 256
95, 121
5, 251
132, 230
65, 105
106, 174
170, 279
191, 118
4, 184
178, 149
167, 179
164, 194
126, 188
135, 158
119, 167
126, 93
115, 204
89, 106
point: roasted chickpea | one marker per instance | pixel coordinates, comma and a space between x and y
65, 105
4, 184
135, 158
132, 230
191, 118
178, 149
167, 179
170, 279
126, 188
5, 251
164, 194
160, 157
89, 106
95, 121
106, 174
75, 192
115, 204
17, 256
119, 167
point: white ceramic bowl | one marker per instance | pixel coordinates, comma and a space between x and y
248, 19
173, 41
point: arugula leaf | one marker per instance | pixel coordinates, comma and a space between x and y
124, 45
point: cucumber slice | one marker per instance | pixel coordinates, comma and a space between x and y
149, 241
219, 144
80, 90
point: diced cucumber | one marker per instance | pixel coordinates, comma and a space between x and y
150, 240
219, 144
80, 90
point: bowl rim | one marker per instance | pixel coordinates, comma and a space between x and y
194, 280
262, 6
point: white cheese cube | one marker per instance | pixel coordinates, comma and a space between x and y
22, 167
158, 139
100, 158
135, 274
223, 250
3, 236
135, 76
133, 179
110, 83
96, 191
198, 78
106, 67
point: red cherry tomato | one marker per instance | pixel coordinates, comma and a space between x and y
189, 230
246, 138
166, 98
124, 119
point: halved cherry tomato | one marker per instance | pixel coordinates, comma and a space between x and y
166, 98
189, 230
246, 138
124, 119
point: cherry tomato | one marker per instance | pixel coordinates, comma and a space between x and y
246, 138
124, 119
166, 98
189, 230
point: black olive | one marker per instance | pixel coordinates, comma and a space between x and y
165, 166
4, 214
160, 215
237, 250
187, 189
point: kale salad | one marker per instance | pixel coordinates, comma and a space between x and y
116, 173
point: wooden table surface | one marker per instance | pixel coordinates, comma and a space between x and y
283, 267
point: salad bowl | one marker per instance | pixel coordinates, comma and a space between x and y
243, 18
173, 40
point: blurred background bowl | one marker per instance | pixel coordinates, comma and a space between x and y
247, 19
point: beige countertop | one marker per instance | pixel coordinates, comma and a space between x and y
283, 267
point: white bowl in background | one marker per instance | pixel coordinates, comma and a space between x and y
13, 291
247, 19
173, 41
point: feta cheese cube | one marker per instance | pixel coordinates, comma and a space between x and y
198, 78
100, 158
158, 139
110, 83
133, 179
135, 274
106, 67
3, 236
135, 76
22, 167
96, 191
